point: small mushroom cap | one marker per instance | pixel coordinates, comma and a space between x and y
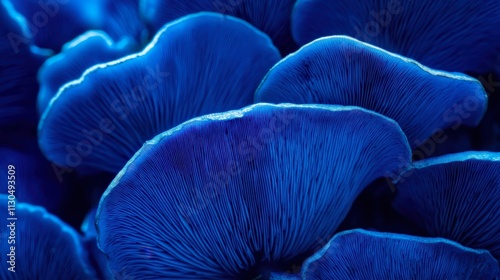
362, 254
42, 246
270, 16
85, 51
455, 196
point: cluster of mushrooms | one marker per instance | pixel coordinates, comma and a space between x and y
250, 139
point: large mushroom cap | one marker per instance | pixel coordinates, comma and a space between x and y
203, 63
230, 194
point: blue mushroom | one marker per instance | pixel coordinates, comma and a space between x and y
270, 16
361, 254
455, 196
89, 49
342, 70
37, 245
459, 36
201, 64
244, 192
19, 63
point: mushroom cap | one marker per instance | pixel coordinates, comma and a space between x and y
85, 51
224, 194
43, 247
362, 254
342, 70
203, 63
455, 196
270, 16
